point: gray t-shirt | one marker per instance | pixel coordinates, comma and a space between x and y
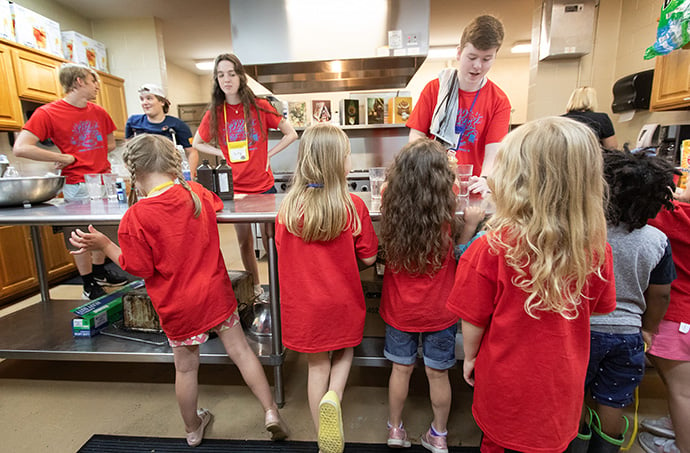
637, 255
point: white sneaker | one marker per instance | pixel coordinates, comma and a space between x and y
659, 426
653, 444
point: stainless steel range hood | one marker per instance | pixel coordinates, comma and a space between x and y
304, 46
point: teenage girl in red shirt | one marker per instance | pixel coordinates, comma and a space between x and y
154, 244
238, 122
321, 232
525, 290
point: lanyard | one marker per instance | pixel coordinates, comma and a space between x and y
463, 127
159, 188
225, 119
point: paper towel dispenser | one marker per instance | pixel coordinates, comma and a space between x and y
632, 92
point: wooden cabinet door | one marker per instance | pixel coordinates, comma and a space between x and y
37, 76
10, 107
17, 268
671, 85
111, 97
58, 260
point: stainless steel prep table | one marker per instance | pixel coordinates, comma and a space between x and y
42, 331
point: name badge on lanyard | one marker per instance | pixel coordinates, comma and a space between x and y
238, 151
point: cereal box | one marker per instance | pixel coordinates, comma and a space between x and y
6, 25
35, 31
84, 50
684, 163
399, 109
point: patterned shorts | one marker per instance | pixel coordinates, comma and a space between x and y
202, 338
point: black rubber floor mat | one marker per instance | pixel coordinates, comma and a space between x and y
100, 443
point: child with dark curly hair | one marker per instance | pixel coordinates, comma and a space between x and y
639, 186
420, 270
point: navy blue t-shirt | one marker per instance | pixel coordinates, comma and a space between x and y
140, 124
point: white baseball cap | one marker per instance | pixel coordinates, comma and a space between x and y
153, 89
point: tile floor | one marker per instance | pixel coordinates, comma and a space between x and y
55, 406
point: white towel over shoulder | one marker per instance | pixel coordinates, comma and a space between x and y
446, 111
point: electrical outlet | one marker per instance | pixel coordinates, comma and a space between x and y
412, 40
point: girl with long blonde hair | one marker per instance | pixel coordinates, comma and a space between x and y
322, 230
525, 291
187, 283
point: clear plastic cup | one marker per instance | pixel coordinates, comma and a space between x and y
464, 175
94, 185
109, 182
377, 175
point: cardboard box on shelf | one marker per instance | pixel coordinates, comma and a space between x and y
349, 112
97, 314
35, 31
399, 109
6, 23
84, 50
375, 111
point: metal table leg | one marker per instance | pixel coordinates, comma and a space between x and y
276, 337
40, 263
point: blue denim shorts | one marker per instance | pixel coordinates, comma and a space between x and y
616, 367
438, 348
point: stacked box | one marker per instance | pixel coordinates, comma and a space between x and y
97, 314
6, 23
349, 112
375, 111
84, 50
399, 109
35, 31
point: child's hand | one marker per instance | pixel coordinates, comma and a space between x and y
87, 242
468, 371
473, 215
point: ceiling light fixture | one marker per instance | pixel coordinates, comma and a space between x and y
443, 52
521, 47
204, 65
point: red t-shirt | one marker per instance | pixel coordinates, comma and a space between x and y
417, 303
676, 224
487, 122
179, 258
250, 176
321, 298
529, 373
81, 132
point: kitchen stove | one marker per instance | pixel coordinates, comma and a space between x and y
357, 181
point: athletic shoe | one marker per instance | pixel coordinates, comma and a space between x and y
110, 278
92, 291
654, 444
275, 425
435, 444
195, 438
659, 426
397, 438
331, 438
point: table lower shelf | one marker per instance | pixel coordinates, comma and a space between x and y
43, 331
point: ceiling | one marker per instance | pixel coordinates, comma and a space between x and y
200, 30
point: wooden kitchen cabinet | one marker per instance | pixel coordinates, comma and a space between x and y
17, 265
36, 76
671, 85
10, 106
111, 97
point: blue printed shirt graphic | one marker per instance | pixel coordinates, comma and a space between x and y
236, 132
86, 136
467, 124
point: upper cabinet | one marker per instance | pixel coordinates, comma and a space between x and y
10, 107
111, 97
36, 76
671, 86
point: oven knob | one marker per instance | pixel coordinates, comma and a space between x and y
283, 187
353, 185
364, 189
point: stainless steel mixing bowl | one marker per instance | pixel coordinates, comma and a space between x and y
34, 189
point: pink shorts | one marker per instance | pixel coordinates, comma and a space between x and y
202, 338
670, 343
